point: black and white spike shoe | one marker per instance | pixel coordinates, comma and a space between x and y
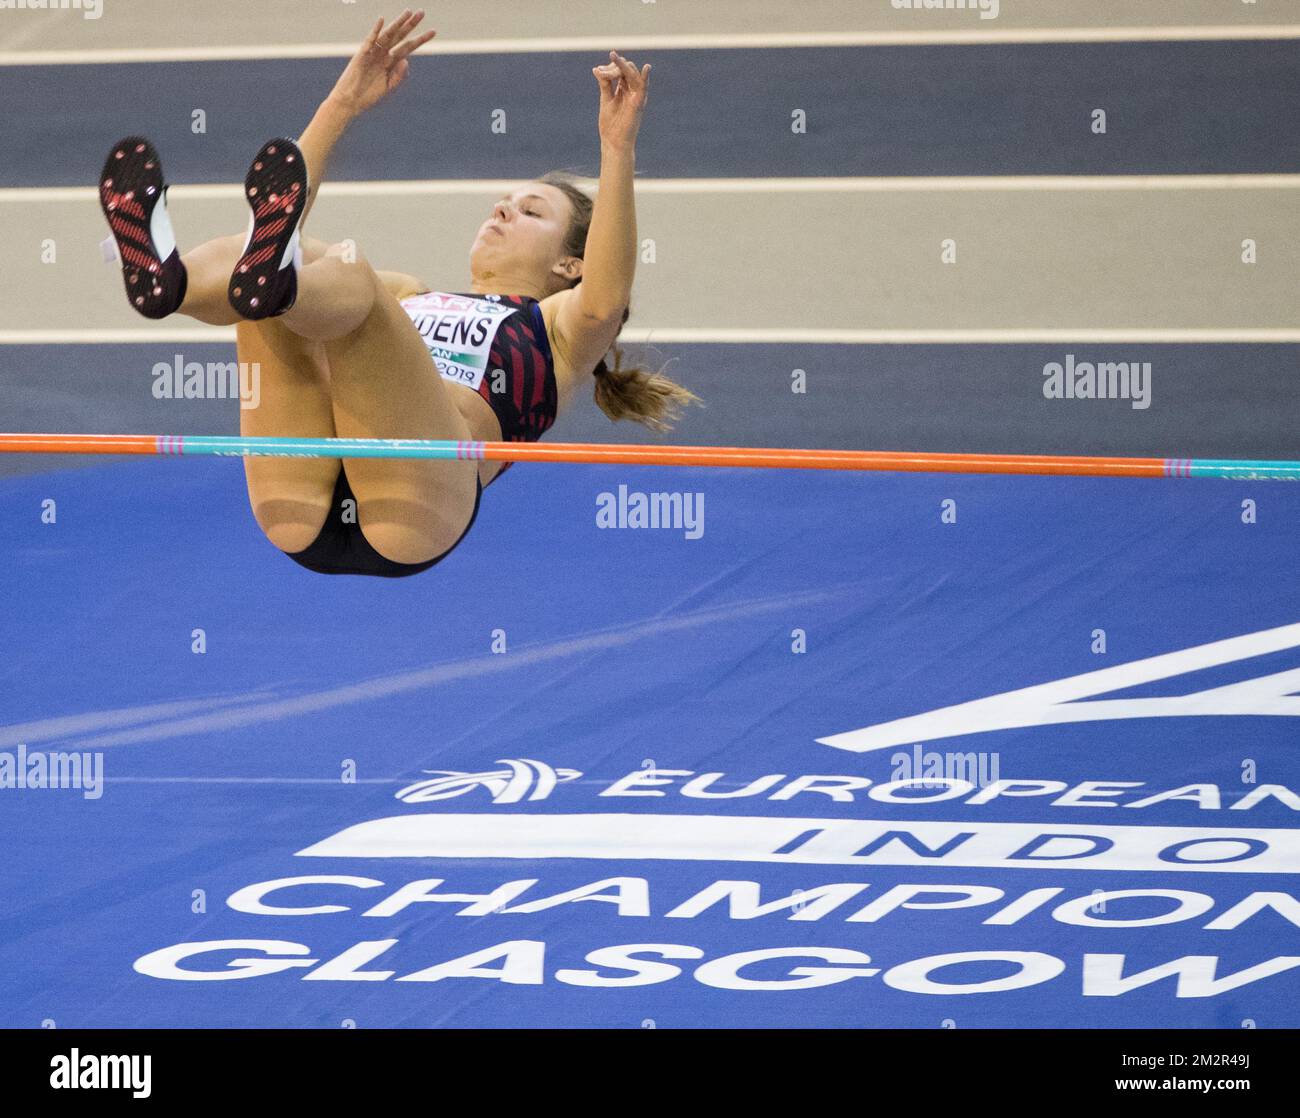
265, 280
133, 196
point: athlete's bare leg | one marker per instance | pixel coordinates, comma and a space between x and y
384, 386
290, 497
333, 296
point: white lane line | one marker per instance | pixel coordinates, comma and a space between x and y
889, 184
601, 44
285, 780
907, 184
125, 336
988, 336
1030, 335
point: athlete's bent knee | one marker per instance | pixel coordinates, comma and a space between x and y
291, 526
348, 253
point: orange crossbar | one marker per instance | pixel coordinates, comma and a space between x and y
78, 444
608, 453
792, 458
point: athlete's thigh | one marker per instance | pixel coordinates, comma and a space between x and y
384, 386
289, 398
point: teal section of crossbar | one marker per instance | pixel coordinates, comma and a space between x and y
1243, 470
319, 448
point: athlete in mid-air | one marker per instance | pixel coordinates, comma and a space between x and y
348, 351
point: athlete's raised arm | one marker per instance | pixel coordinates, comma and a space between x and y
379, 67
587, 321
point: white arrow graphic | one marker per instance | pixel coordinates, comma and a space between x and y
1058, 702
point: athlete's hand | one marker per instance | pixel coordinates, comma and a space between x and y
380, 65
624, 91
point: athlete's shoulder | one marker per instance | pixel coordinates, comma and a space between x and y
552, 305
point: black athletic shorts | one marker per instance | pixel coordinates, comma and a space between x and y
342, 548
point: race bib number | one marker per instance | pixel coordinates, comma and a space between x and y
459, 331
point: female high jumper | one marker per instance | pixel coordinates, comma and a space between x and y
348, 351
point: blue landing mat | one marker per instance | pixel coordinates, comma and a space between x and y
578, 776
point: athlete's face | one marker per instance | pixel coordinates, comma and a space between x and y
524, 235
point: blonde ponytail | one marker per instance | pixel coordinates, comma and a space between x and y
640, 394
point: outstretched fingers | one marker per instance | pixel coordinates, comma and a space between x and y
399, 29
411, 45
393, 32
